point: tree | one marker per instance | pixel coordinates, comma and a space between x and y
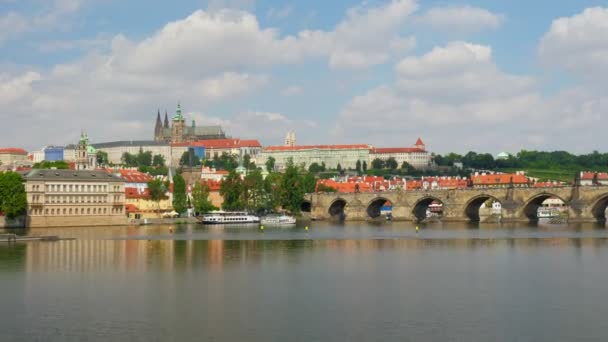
270, 163
144, 158
128, 159
179, 194
292, 189
157, 191
272, 188
405, 166
339, 167
13, 199
309, 183
391, 163
231, 190
358, 166
315, 168
254, 192
225, 162
200, 199
378, 164
158, 160
364, 166
184, 160
325, 188
247, 163
59, 165
102, 158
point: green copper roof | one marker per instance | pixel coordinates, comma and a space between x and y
178, 114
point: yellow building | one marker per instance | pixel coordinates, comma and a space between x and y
62, 198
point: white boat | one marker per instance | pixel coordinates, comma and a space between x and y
279, 220
229, 217
548, 212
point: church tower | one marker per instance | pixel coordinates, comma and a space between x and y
86, 158
158, 128
290, 139
178, 126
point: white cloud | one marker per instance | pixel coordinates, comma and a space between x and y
14, 24
579, 44
461, 19
364, 37
452, 92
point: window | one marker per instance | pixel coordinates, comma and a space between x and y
88, 211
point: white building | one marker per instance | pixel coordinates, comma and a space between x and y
332, 155
416, 156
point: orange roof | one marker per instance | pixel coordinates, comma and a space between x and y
587, 175
134, 193
419, 142
12, 150
221, 143
396, 150
132, 176
318, 147
502, 178
131, 208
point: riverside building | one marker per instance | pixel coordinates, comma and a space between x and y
62, 198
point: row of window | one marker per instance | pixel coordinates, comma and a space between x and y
75, 199
75, 211
73, 188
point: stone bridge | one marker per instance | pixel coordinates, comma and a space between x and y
585, 203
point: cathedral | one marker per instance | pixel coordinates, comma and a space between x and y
179, 132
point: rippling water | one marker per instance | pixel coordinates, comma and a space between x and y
353, 282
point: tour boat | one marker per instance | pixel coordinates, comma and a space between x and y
548, 212
279, 220
229, 217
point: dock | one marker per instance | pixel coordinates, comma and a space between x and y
12, 238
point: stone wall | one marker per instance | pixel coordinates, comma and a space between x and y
17, 222
75, 221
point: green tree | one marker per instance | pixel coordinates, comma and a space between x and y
128, 159
358, 166
270, 163
232, 190
325, 188
391, 163
59, 165
309, 183
179, 194
254, 191
247, 163
339, 167
102, 158
378, 164
315, 168
364, 166
158, 160
292, 189
13, 199
158, 191
272, 188
200, 199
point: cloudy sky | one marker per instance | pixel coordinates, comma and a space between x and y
474, 75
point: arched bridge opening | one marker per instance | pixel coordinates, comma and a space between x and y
544, 205
599, 209
306, 207
428, 208
380, 208
483, 206
336, 209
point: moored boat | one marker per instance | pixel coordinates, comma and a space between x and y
229, 217
280, 220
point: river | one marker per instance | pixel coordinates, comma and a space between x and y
331, 282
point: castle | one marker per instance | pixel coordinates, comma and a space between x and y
178, 132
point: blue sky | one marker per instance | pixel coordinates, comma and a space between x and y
482, 75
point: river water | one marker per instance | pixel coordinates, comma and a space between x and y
351, 282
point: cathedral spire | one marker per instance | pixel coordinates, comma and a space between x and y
166, 120
158, 127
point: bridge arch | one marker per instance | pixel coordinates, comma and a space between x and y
471, 208
336, 209
598, 208
420, 207
374, 207
530, 208
306, 206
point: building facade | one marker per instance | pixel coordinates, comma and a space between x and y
179, 131
11, 156
331, 155
416, 156
62, 198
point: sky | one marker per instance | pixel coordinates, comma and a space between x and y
488, 76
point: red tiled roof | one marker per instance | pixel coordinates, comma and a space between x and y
221, 143
134, 193
396, 150
12, 150
132, 176
504, 178
132, 208
586, 175
419, 142
318, 147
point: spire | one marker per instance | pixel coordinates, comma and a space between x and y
159, 125
178, 113
166, 120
